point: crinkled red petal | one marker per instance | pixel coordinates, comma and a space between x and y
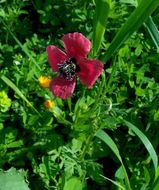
55, 56
76, 45
90, 70
62, 88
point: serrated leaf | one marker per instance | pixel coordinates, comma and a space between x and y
33, 119
10, 134
76, 145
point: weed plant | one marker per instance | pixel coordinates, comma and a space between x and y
106, 137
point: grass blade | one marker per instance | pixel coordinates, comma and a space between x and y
156, 187
109, 142
153, 31
20, 44
16, 89
136, 19
145, 141
114, 182
156, 182
100, 20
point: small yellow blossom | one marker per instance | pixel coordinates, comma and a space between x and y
48, 104
44, 81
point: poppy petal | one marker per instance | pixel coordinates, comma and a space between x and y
55, 56
76, 45
62, 88
90, 70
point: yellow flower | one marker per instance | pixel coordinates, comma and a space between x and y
48, 104
44, 81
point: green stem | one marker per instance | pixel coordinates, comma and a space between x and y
85, 150
86, 147
110, 79
69, 104
97, 99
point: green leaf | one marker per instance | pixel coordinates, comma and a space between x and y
105, 137
108, 141
16, 89
12, 180
119, 173
136, 19
115, 183
76, 145
5, 102
156, 186
73, 184
156, 182
10, 134
131, 2
147, 175
94, 171
15, 144
139, 91
100, 21
157, 173
153, 31
26, 51
156, 115
145, 141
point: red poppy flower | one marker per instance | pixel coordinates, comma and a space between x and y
72, 64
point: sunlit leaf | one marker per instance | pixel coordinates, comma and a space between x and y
13, 180
73, 184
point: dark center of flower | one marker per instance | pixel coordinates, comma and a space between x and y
68, 69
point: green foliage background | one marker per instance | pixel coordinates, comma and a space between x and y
102, 138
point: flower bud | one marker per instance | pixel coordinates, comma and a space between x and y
48, 104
